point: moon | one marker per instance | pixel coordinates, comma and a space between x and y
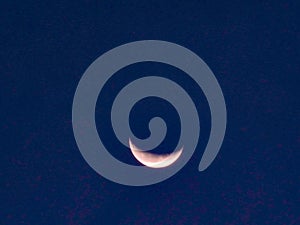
154, 160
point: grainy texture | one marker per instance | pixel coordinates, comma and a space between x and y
253, 50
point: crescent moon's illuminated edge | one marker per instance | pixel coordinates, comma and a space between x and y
154, 160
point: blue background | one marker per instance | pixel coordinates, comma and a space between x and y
253, 50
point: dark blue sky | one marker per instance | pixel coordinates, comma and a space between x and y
253, 50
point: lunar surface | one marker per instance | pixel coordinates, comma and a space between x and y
154, 160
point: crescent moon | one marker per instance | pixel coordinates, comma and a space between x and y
154, 160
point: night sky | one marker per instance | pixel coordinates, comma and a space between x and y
253, 50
